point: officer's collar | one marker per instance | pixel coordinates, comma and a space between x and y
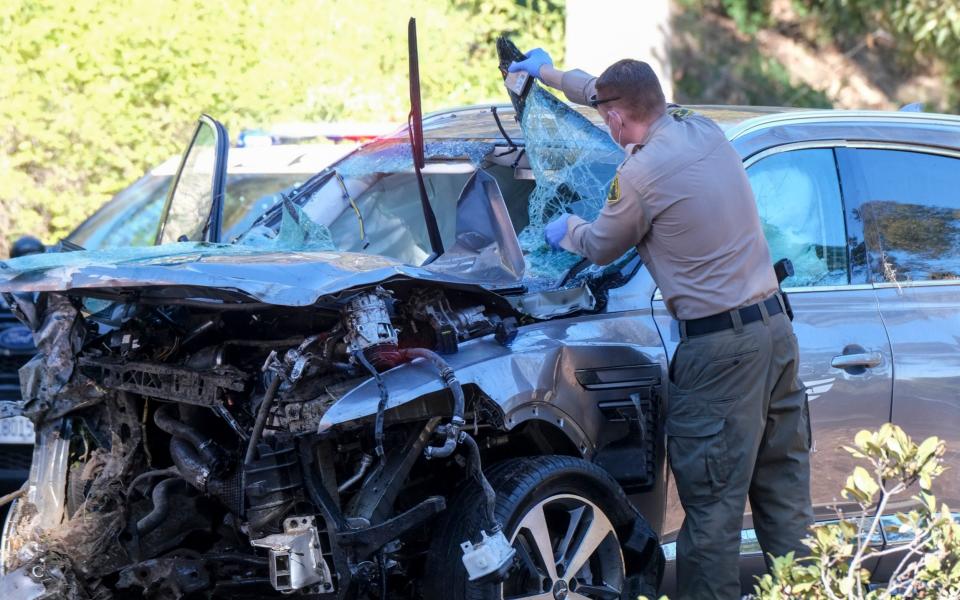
656, 126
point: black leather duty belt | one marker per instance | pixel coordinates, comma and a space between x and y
721, 321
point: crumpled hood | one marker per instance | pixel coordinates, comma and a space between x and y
219, 271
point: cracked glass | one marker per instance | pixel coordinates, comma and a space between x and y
573, 162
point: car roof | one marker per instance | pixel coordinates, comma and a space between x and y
477, 121
751, 128
846, 127
294, 159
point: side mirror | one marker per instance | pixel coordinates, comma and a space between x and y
27, 245
194, 207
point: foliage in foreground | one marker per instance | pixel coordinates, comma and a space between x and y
95, 92
928, 565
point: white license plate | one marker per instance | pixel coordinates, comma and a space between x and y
16, 430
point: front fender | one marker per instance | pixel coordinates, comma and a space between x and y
536, 377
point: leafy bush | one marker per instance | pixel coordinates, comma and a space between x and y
749, 15
929, 565
95, 92
925, 26
923, 31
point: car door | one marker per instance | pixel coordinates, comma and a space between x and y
845, 358
194, 207
906, 201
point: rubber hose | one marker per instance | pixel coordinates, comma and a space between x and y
192, 468
208, 449
177, 428
261, 421
161, 506
448, 376
168, 472
381, 405
476, 470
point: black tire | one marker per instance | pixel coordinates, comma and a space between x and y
522, 484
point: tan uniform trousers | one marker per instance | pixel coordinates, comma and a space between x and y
737, 426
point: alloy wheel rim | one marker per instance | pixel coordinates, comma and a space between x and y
567, 549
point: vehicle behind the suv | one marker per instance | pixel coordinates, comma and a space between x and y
256, 176
16, 433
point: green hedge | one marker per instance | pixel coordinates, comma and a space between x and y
95, 92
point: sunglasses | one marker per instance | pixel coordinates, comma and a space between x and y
594, 102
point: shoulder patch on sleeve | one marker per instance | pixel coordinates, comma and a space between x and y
613, 194
679, 112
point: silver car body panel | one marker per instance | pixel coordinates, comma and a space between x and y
923, 322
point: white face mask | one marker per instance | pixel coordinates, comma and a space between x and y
618, 140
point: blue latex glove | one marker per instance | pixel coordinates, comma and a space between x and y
555, 230
536, 58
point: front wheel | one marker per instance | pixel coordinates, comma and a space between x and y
565, 517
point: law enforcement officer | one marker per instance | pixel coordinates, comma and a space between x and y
737, 421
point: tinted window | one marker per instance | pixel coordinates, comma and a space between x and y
798, 197
250, 195
132, 216
908, 205
129, 219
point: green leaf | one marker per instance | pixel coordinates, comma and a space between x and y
927, 448
864, 482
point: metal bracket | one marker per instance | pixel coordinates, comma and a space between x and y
296, 561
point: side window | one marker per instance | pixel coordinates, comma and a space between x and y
908, 206
798, 198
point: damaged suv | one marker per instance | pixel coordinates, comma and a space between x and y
373, 392
389, 387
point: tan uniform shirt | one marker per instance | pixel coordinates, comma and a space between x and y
683, 199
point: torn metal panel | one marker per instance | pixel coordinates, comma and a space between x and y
533, 375
65, 545
555, 303
58, 341
48, 383
486, 247
220, 272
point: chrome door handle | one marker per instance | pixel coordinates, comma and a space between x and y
865, 359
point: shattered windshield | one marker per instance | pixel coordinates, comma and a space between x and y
573, 162
370, 201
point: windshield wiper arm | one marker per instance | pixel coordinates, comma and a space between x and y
415, 129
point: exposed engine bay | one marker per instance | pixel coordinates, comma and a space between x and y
309, 409
194, 448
